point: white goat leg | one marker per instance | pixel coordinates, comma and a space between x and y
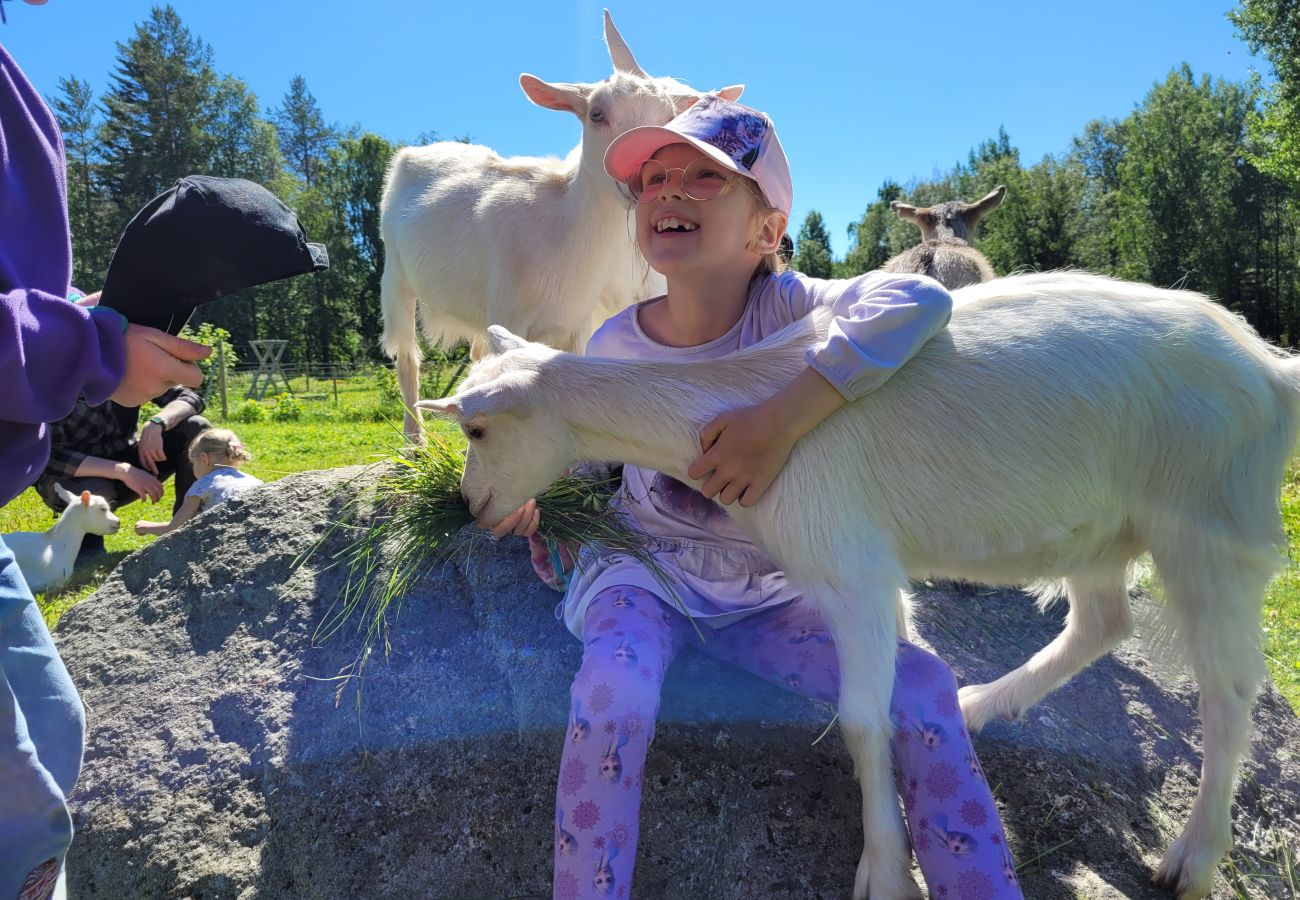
862, 619
1099, 619
1216, 601
400, 342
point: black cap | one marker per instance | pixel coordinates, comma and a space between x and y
204, 238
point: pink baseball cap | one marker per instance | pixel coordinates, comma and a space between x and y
738, 137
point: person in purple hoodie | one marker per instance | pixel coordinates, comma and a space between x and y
51, 353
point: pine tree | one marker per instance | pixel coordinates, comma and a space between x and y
160, 112
353, 186
244, 145
305, 139
813, 248
92, 241
870, 247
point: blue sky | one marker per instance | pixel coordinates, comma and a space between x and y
860, 91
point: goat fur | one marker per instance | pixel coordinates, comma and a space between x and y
1061, 426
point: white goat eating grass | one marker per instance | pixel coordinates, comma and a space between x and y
1062, 425
47, 558
542, 246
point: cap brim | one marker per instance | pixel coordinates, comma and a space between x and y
630, 149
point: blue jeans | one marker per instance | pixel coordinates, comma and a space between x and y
42, 734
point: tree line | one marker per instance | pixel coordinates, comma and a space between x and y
167, 113
1198, 187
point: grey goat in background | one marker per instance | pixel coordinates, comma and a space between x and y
945, 252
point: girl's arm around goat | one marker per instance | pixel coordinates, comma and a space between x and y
881, 320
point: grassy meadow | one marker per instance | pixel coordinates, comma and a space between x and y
327, 424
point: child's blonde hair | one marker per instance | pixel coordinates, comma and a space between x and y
220, 444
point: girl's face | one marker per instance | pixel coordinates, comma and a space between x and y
679, 236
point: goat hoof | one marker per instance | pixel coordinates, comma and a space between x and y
1189, 874
870, 885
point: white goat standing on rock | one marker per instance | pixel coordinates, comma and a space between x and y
542, 246
1063, 425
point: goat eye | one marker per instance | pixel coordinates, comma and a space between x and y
597, 116
474, 433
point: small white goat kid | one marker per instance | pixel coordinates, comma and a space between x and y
1062, 425
542, 246
47, 558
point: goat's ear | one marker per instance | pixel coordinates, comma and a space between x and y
989, 201
905, 210
500, 339
64, 494
619, 54
85, 498
557, 95
447, 407
684, 101
505, 394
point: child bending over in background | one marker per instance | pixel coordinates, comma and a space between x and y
216, 455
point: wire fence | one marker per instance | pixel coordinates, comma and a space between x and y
319, 386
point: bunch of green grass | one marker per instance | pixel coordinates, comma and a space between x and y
413, 519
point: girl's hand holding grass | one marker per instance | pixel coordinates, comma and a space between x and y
523, 522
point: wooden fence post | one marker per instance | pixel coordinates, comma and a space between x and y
221, 367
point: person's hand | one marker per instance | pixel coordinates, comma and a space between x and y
145, 486
744, 450
150, 447
144, 526
523, 522
89, 300
157, 362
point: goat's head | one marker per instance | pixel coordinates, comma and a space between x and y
951, 220
515, 448
627, 99
90, 511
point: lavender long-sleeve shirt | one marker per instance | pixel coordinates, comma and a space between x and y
880, 320
51, 351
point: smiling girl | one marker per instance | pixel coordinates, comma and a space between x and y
713, 196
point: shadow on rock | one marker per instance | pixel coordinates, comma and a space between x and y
224, 760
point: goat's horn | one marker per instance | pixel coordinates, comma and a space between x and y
622, 57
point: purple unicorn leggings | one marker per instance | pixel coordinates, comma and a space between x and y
631, 637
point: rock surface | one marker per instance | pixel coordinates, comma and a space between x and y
220, 765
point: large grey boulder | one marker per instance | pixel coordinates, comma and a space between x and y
221, 763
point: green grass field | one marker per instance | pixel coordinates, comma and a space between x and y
362, 425
1282, 603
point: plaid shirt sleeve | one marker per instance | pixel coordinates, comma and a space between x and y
63, 463
181, 393
86, 431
